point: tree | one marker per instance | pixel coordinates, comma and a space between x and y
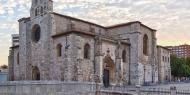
4, 67
174, 66
188, 61
180, 67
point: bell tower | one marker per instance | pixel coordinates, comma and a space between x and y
40, 8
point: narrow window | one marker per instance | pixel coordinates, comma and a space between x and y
18, 59
59, 50
36, 12
41, 10
145, 45
36, 33
87, 51
124, 56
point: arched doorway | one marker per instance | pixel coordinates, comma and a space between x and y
35, 73
108, 71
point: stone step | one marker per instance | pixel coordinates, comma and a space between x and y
74, 93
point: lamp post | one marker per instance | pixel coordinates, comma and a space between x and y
144, 73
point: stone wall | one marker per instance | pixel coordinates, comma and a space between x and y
71, 65
142, 66
46, 88
62, 88
40, 50
24, 35
62, 24
10, 66
16, 69
81, 88
164, 69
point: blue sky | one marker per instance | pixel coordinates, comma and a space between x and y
170, 17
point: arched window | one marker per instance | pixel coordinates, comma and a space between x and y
18, 59
124, 56
59, 50
36, 31
87, 51
41, 10
145, 45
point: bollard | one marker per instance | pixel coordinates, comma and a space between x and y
173, 90
138, 89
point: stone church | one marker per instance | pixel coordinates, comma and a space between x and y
52, 46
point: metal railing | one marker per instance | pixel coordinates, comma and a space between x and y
144, 91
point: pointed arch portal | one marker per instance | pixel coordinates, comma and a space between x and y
108, 71
35, 73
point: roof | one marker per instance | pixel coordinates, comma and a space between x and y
129, 23
163, 47
78, 19
177, 46
15, 46
122, 24
106, 27
86, 33
15, 35
72, 31
24, 19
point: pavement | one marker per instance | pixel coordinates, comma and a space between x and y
179, 86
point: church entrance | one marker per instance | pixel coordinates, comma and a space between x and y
106, 78
35, 73
108, 71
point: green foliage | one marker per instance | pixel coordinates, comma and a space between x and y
180, 67
188, 61
4, 67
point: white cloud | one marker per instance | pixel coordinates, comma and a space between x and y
170, 17
158, 14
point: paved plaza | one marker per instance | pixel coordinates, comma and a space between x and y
179, 86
